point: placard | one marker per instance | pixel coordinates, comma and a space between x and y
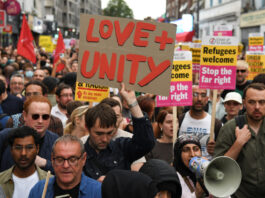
114, 50
181, 82
218, 62
91, 93
256, 62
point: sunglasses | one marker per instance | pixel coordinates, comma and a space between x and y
37, 116
240, 70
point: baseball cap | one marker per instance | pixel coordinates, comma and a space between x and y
233, 96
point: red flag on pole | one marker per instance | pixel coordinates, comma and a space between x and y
58, 51
25, 46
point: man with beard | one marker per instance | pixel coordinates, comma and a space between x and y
197, 121
247, 145
241, 78
18, 180
64, 94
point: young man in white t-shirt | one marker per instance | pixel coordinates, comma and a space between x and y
197, 121
20, 178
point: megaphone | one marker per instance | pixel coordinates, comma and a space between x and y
221, 176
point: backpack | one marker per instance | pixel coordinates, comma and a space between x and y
240, 121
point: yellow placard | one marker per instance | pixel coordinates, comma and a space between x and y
46, 43
257, 40
91, 93
181, 71
218, 55
256, 65
196, 55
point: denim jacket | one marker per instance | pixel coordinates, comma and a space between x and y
88, 188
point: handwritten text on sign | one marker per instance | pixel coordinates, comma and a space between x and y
138, 53
218, 63
181, 81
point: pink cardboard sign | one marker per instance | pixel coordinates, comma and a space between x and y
218, 63
181, 82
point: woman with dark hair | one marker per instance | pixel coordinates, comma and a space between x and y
163, 147
187, 147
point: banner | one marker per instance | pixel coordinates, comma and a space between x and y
218, 62
91, 93
181, 82
256, 62
114, 50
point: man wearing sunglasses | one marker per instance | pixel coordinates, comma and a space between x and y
36, 113
68, 160
241, 78
24, 174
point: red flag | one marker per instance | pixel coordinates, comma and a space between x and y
58, 51
25, 46
185, 36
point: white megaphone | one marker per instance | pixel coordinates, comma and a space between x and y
221, 176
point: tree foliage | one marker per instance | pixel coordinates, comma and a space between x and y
118, 8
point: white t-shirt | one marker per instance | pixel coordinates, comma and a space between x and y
200, 128
22, 186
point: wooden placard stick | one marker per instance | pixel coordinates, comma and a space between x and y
213, 114
46, 184
175, 130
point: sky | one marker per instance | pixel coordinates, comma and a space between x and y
143, 8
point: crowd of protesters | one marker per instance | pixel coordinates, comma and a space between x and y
122, 146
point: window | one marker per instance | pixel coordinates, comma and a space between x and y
211, 3
219, 1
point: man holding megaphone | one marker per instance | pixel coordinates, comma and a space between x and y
247, 145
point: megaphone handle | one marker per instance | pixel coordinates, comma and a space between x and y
200, 180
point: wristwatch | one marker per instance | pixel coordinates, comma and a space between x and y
135, 103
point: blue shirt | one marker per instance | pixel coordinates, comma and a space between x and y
89, 188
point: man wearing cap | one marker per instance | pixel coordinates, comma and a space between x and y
241, 78
232, 104
247, 145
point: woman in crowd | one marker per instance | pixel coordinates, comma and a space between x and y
76, 123
187, 147
163, 147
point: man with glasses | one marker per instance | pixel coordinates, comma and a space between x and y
36, 115
68, 160
241, 78
64, 95
35, 88
247, 145
197, 121
18, 180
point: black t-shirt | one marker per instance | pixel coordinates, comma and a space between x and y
73, 193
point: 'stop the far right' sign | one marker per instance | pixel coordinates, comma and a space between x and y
218, 62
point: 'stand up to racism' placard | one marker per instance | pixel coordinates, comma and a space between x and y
181, 81
256, 62
114, 50
91, 93
218, 63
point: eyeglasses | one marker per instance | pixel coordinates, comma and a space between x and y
32, 94
241, 70
28, 147
67, 95
196, 94
72, 161
37, 116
